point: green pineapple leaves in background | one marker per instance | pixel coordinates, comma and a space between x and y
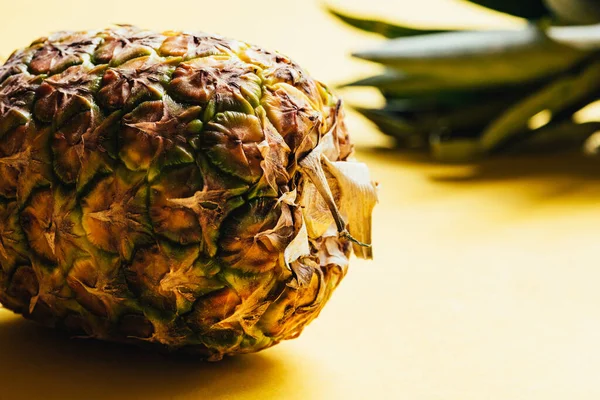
468, 94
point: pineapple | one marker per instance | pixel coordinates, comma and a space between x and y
176, 189
464, 95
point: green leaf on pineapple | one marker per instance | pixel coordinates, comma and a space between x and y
397, 84
408, 134
528, 9
477, 58
466, 117
554, 97
555, 136
381, 27
585, 12
394, 84
580, 37
408, 120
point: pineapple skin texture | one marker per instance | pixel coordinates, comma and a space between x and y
143, 179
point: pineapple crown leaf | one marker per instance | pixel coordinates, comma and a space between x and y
473, 93
528, 9
382, 28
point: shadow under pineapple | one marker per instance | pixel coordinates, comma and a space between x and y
39, 363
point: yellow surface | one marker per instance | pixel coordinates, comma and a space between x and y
485, 282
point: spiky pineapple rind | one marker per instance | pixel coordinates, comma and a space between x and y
149, 190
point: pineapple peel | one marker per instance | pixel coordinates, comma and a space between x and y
179, 190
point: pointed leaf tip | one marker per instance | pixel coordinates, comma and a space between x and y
380, 27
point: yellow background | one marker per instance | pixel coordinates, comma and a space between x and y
485, 281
